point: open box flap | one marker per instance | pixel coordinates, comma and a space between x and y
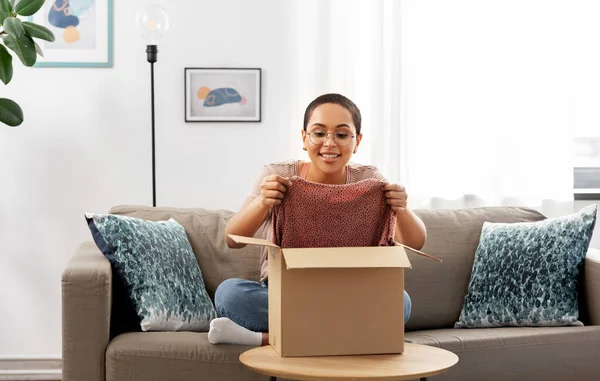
346, 257
418, 252
251, 241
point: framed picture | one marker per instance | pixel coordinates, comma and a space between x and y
222, 95
83, 31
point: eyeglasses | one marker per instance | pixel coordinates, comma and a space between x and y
319, 137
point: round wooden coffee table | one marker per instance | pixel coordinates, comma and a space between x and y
417, 361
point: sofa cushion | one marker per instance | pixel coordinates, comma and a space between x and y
517, 353
174, 356
437, 289
158, 267
205, 229
526, 274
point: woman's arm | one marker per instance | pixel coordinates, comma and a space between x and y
247, 221
410, 229
255, 211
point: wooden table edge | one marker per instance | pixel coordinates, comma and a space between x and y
305, 377
321, 378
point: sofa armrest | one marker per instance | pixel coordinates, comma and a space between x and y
592, 285
86, 308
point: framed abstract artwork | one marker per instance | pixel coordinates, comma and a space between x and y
83, 31
222, 94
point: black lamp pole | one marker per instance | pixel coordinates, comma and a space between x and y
152, 55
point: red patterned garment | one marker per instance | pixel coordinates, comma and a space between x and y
324, 215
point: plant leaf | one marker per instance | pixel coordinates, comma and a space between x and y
24, 47
6, 68
5, 6
13, 26
38, 49
38, 31
10, 112
28, 7
3, 16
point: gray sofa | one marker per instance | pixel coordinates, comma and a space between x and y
98, 343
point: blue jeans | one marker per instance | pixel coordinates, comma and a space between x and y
247, 303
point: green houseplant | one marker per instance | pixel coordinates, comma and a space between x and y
18, 35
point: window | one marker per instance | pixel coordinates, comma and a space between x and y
586, 171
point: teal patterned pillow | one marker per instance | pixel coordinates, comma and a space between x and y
526, 273
157, 265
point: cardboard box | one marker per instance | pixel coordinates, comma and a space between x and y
335, 301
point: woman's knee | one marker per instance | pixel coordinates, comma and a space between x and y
407, 306
228, 289
240, 295
228, 294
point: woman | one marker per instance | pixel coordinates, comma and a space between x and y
331, 135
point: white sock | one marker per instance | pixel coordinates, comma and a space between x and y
225, 331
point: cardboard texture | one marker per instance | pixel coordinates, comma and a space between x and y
335, 301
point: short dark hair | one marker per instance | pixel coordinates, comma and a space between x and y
337, 99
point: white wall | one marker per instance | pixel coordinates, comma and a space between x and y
85, 146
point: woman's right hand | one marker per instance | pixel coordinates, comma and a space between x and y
257, 209
272, 190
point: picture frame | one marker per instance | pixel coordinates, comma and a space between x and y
222, 94
83, 33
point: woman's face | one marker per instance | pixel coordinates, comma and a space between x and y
334, 120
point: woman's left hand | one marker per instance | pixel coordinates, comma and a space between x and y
396, 197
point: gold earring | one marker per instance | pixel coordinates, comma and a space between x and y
304, 148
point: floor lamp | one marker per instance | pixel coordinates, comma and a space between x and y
153, 23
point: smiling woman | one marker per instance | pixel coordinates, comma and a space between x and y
331, 135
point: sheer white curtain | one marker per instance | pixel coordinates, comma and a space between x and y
467, 103
351, 47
